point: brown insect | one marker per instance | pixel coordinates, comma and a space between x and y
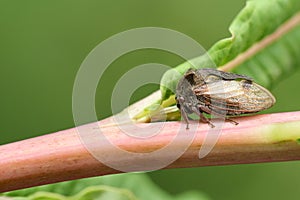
221, 94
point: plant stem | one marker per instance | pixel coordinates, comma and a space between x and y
281, 31
61, 156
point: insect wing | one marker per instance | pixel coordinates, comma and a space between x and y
234, 97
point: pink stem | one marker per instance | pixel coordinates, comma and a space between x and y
63, 155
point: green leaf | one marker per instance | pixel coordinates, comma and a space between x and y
259, 20
117, 187
89, 193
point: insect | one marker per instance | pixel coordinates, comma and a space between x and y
221, 94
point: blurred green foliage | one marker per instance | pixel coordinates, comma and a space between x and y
42, 44
129, 186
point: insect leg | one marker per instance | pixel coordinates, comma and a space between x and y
205, 120
202, 117
231, 121
205, 109
185, 117
183, 113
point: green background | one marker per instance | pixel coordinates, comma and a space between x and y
43, 43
